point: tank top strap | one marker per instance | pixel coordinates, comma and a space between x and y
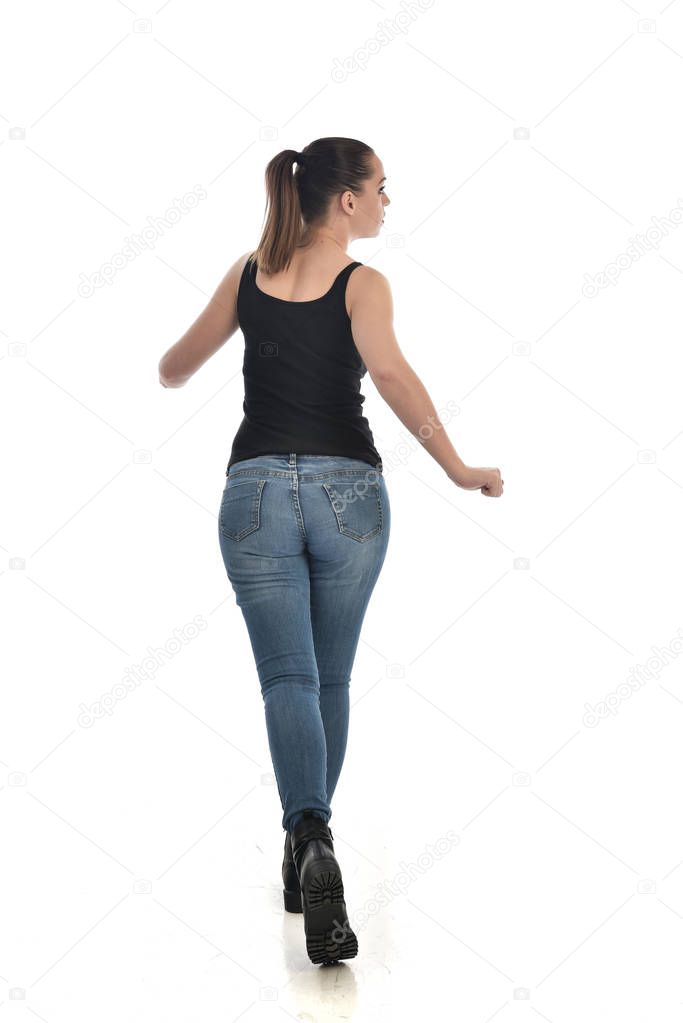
338, 289
344, 274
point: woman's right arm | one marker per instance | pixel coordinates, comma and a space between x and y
371, 308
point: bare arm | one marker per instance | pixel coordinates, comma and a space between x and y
372, 316
212, 328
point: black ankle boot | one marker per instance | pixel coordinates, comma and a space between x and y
328, 932
290, 881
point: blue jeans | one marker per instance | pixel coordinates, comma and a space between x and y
303, 538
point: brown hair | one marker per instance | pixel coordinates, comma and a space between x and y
296, 201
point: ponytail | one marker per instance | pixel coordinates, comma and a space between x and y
296, 200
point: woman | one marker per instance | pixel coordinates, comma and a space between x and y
304, 520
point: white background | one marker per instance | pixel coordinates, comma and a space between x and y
525, 145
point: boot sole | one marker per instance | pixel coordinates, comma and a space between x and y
328, 932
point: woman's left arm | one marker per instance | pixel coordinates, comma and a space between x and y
212, 328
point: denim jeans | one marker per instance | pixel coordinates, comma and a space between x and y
303, 539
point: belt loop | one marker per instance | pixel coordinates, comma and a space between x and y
292, 460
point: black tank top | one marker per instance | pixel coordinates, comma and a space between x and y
302, 375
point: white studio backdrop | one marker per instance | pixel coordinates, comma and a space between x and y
518, 684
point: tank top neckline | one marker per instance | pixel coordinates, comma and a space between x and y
306, 301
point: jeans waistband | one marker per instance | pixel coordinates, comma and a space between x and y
292, 463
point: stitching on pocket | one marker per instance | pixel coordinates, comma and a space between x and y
231, 493
343, 502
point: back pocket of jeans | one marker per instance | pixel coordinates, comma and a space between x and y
240, 512
358, 508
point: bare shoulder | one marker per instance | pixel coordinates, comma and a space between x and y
238, 266
240, 263
372, 325
226, 292
368, 288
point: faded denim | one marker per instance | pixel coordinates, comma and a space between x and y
303, 540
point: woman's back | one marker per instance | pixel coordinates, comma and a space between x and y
301, 367
308, 276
